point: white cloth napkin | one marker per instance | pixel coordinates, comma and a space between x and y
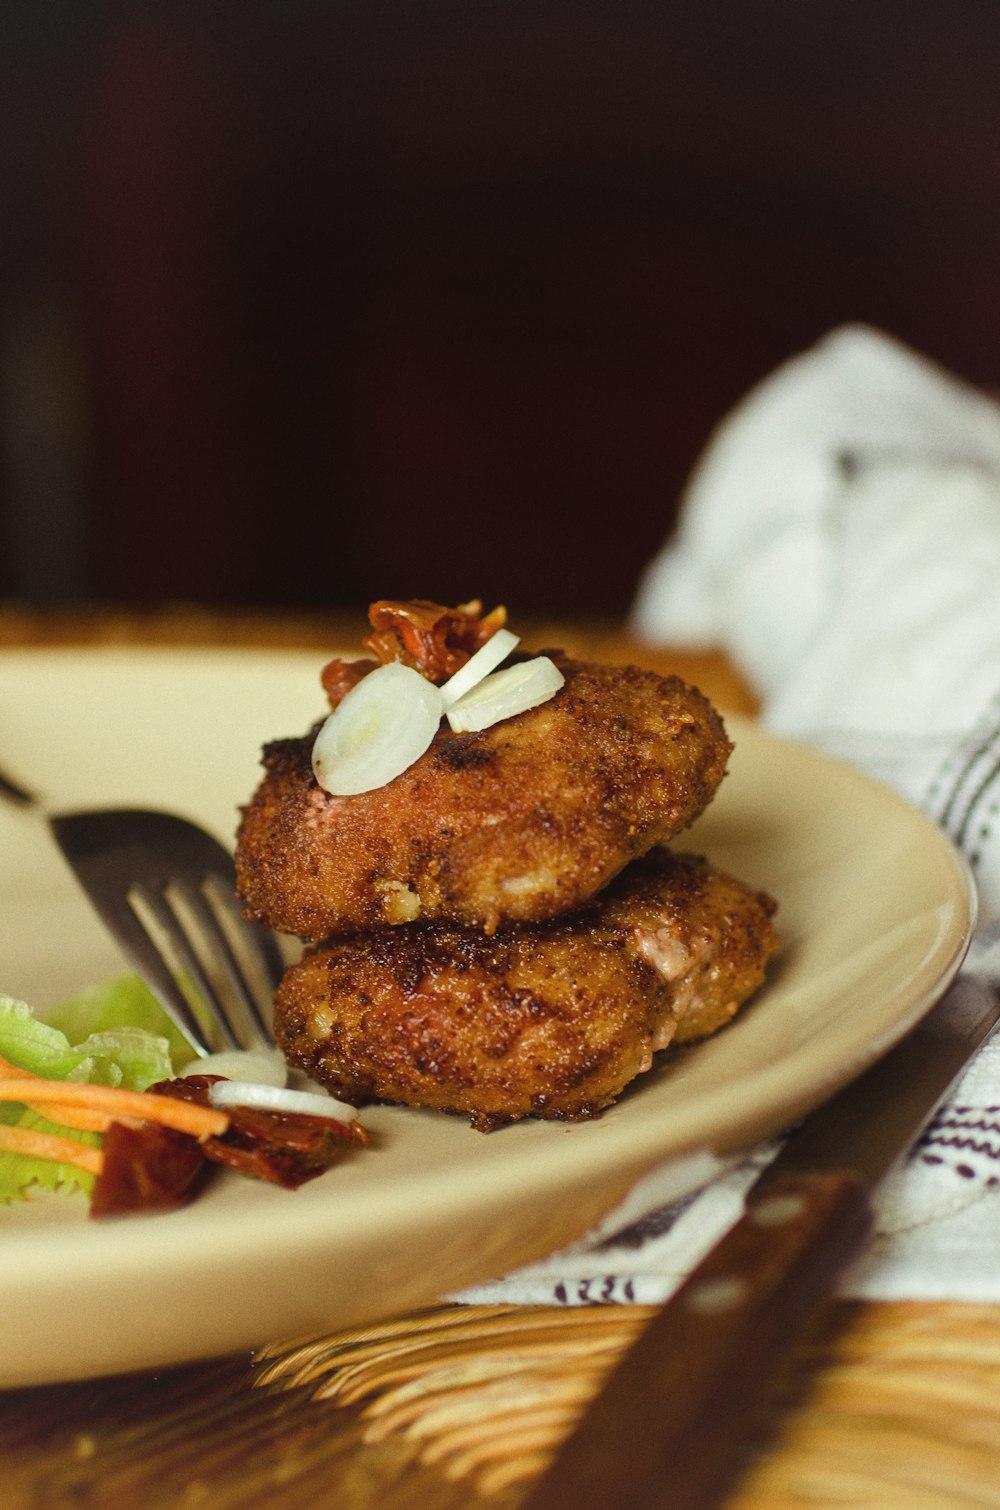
840, 539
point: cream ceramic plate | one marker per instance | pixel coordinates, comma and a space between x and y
874, 914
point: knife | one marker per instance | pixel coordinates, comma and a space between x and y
666, 1429
12, 791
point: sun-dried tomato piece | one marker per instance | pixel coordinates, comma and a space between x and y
146, 1168
285, 1148
187, 1088
339, 677
434, 640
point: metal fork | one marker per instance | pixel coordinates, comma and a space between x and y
166, 890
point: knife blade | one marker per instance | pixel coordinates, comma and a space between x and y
670, 1422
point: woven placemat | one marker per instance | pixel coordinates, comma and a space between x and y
888, 1405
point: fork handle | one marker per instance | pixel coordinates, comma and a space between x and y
669, 1423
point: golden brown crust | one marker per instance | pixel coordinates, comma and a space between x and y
520, 822
549, 1019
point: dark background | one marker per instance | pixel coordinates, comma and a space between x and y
307, 304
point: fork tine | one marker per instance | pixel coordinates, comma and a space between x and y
143, 953
188, 962
261, 944
166, 890
195, 898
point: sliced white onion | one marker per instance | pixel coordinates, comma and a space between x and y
381, 727
276, 1098
506, 693
262, 1068
486, 659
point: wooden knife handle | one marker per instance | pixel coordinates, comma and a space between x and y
665, 1430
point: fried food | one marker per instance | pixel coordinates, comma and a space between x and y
523, 821
520, 822
499, 930
548, 1019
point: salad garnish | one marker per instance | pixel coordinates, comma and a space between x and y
127, 1130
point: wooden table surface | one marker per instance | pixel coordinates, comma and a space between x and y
895, 1405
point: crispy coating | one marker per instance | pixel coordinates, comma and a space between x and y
523, 821
548, 1019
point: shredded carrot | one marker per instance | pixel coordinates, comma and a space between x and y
69, 1116
120, 1105
14, 1071
47, 1146
83, 1118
